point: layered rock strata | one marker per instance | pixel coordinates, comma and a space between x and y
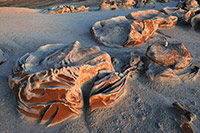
48, 83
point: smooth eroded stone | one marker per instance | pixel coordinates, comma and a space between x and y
195, 22
186, 128
175, 11
169, 55
48, 82
170, 61
132, 30
142, 15
112, 32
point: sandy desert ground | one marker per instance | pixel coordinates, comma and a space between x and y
145, 108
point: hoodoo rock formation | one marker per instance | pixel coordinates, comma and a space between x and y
132, 30
48, 82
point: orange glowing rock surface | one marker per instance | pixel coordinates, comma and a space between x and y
188, 16
141, 30
67, 9
170, 60
168, 55
48, 83
108, 88
114, 5
132, 30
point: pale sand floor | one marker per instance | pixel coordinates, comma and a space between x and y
24, 30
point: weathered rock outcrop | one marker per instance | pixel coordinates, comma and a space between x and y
48, 83
166, 61
114, 5
188, 4
186, 15
66, 9
131, 30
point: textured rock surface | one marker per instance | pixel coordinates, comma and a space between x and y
114, 5
141, 30
66, 9
169, 55
188, 4
107, 89
186, 15
171, 60
131, 30
48, 83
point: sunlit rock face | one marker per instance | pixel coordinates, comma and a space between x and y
48, 82
187, 16
188, 4
170, 60
131, 30
114, 5
62, 9
107, 89
169, 55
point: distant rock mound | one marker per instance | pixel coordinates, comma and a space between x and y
66, 9
114, 5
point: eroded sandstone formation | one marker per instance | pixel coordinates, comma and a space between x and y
48, 82
131, 30
187, 12
188, 4
66, 9
114, 5
168, 61
108, 88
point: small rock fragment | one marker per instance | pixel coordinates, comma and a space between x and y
188, 115
186, 128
